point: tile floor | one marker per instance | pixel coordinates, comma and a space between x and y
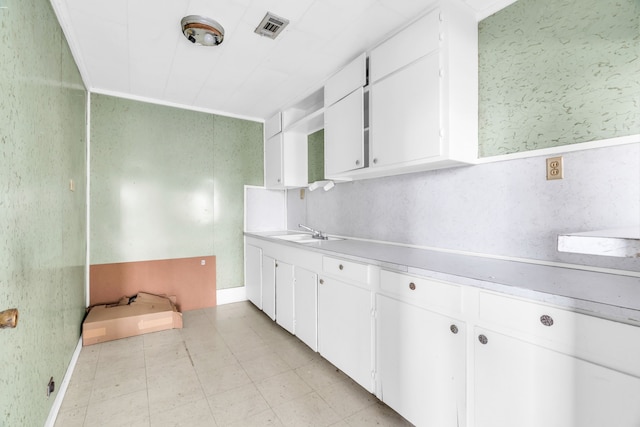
229, 366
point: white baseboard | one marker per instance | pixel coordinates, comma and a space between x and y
231, 295
57, 403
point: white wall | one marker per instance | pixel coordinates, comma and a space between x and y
505, 208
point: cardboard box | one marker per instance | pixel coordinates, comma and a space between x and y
148, 313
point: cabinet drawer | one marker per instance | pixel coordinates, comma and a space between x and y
346, 81
415, 41
426, 293
345, 269
612, 344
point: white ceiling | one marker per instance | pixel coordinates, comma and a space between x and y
135, 48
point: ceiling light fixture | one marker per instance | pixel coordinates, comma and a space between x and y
202, 31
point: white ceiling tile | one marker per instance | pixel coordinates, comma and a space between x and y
136, 47
112, 11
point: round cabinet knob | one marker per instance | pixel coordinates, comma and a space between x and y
276, 265
412, 286
357, 162
454, 329
322, 281
341, 267
278, 179
546, 320
483, 339
375, 161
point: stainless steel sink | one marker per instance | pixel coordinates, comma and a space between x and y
303, 238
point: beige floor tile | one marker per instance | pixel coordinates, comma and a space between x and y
283, 388
379, 415
71, 418
192, 414
162, 338
346, 397
237, 404
122, 364
309, 410
171, 372
85, 370
125, 410
222, 379
213, 360
162, 355
124, 346
320, 374
242, 341
267, 418
174, 394
295, 353
264, 366
77, 394
116, 385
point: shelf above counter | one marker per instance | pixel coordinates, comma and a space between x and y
619, 242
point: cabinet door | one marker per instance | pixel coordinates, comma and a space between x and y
344, 135
344, 328
273, 162
521, 384
421, 363
269, 286
305, 306
284, 295
346, 80
253, 274
405, 114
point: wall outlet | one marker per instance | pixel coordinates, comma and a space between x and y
554, 168
51, 387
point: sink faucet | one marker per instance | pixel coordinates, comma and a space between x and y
317, 234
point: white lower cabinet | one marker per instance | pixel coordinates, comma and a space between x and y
305, 306
344, 328
421, 363
253, 274
448, 355
269, 286
517, 383
284, 295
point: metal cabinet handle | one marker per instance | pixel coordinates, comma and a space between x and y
341, 267
412, 286
546, 320
483, 339
454, 329
276, 265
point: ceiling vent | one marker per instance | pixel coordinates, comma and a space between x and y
271, 25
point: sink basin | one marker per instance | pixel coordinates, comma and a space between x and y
303, 238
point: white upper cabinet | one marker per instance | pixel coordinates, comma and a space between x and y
285, 160
424, 94
344, 119
273, 126
344, 135
405, 114
345, 81
409, 45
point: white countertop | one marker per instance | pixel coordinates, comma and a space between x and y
619, 242
613, 296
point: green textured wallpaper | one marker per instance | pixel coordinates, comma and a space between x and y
168, 183
558, 72
43, 237
315, 154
